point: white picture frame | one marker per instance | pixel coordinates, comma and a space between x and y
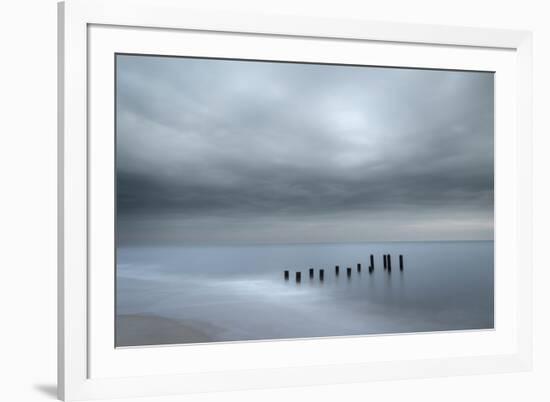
90, 32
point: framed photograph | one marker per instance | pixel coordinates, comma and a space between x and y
252, 201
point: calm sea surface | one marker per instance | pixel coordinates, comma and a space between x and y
235, 293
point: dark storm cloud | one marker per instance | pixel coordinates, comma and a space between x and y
216, 151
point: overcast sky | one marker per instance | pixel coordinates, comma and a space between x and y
223, 151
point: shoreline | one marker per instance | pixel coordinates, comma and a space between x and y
145, 330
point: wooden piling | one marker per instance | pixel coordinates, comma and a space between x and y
348, 270
337, 269
358, 267
298, 276
371, 269
287, 275
400, 262
372, 261
385, 261
321, 274
311, 272
389, 262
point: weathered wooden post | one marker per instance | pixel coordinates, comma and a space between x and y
389, 263
311, 273
372, 261
401, 262
298, 276
385, 262
348, 270
358, 267
337, 269
287, 275
371, 269
322, 274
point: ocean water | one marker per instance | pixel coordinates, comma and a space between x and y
172, 295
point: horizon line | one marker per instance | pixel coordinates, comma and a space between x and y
295, 243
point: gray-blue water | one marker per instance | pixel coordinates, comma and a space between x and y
235, 293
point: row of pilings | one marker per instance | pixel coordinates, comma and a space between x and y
386, 260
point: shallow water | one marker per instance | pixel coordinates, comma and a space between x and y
235, 293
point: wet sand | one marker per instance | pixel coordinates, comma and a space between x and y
142, 329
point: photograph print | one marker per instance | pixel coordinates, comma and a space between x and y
269, 200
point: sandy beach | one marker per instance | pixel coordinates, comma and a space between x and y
142, 329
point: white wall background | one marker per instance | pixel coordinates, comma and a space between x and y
28, 199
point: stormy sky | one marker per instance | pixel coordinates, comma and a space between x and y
224, 151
